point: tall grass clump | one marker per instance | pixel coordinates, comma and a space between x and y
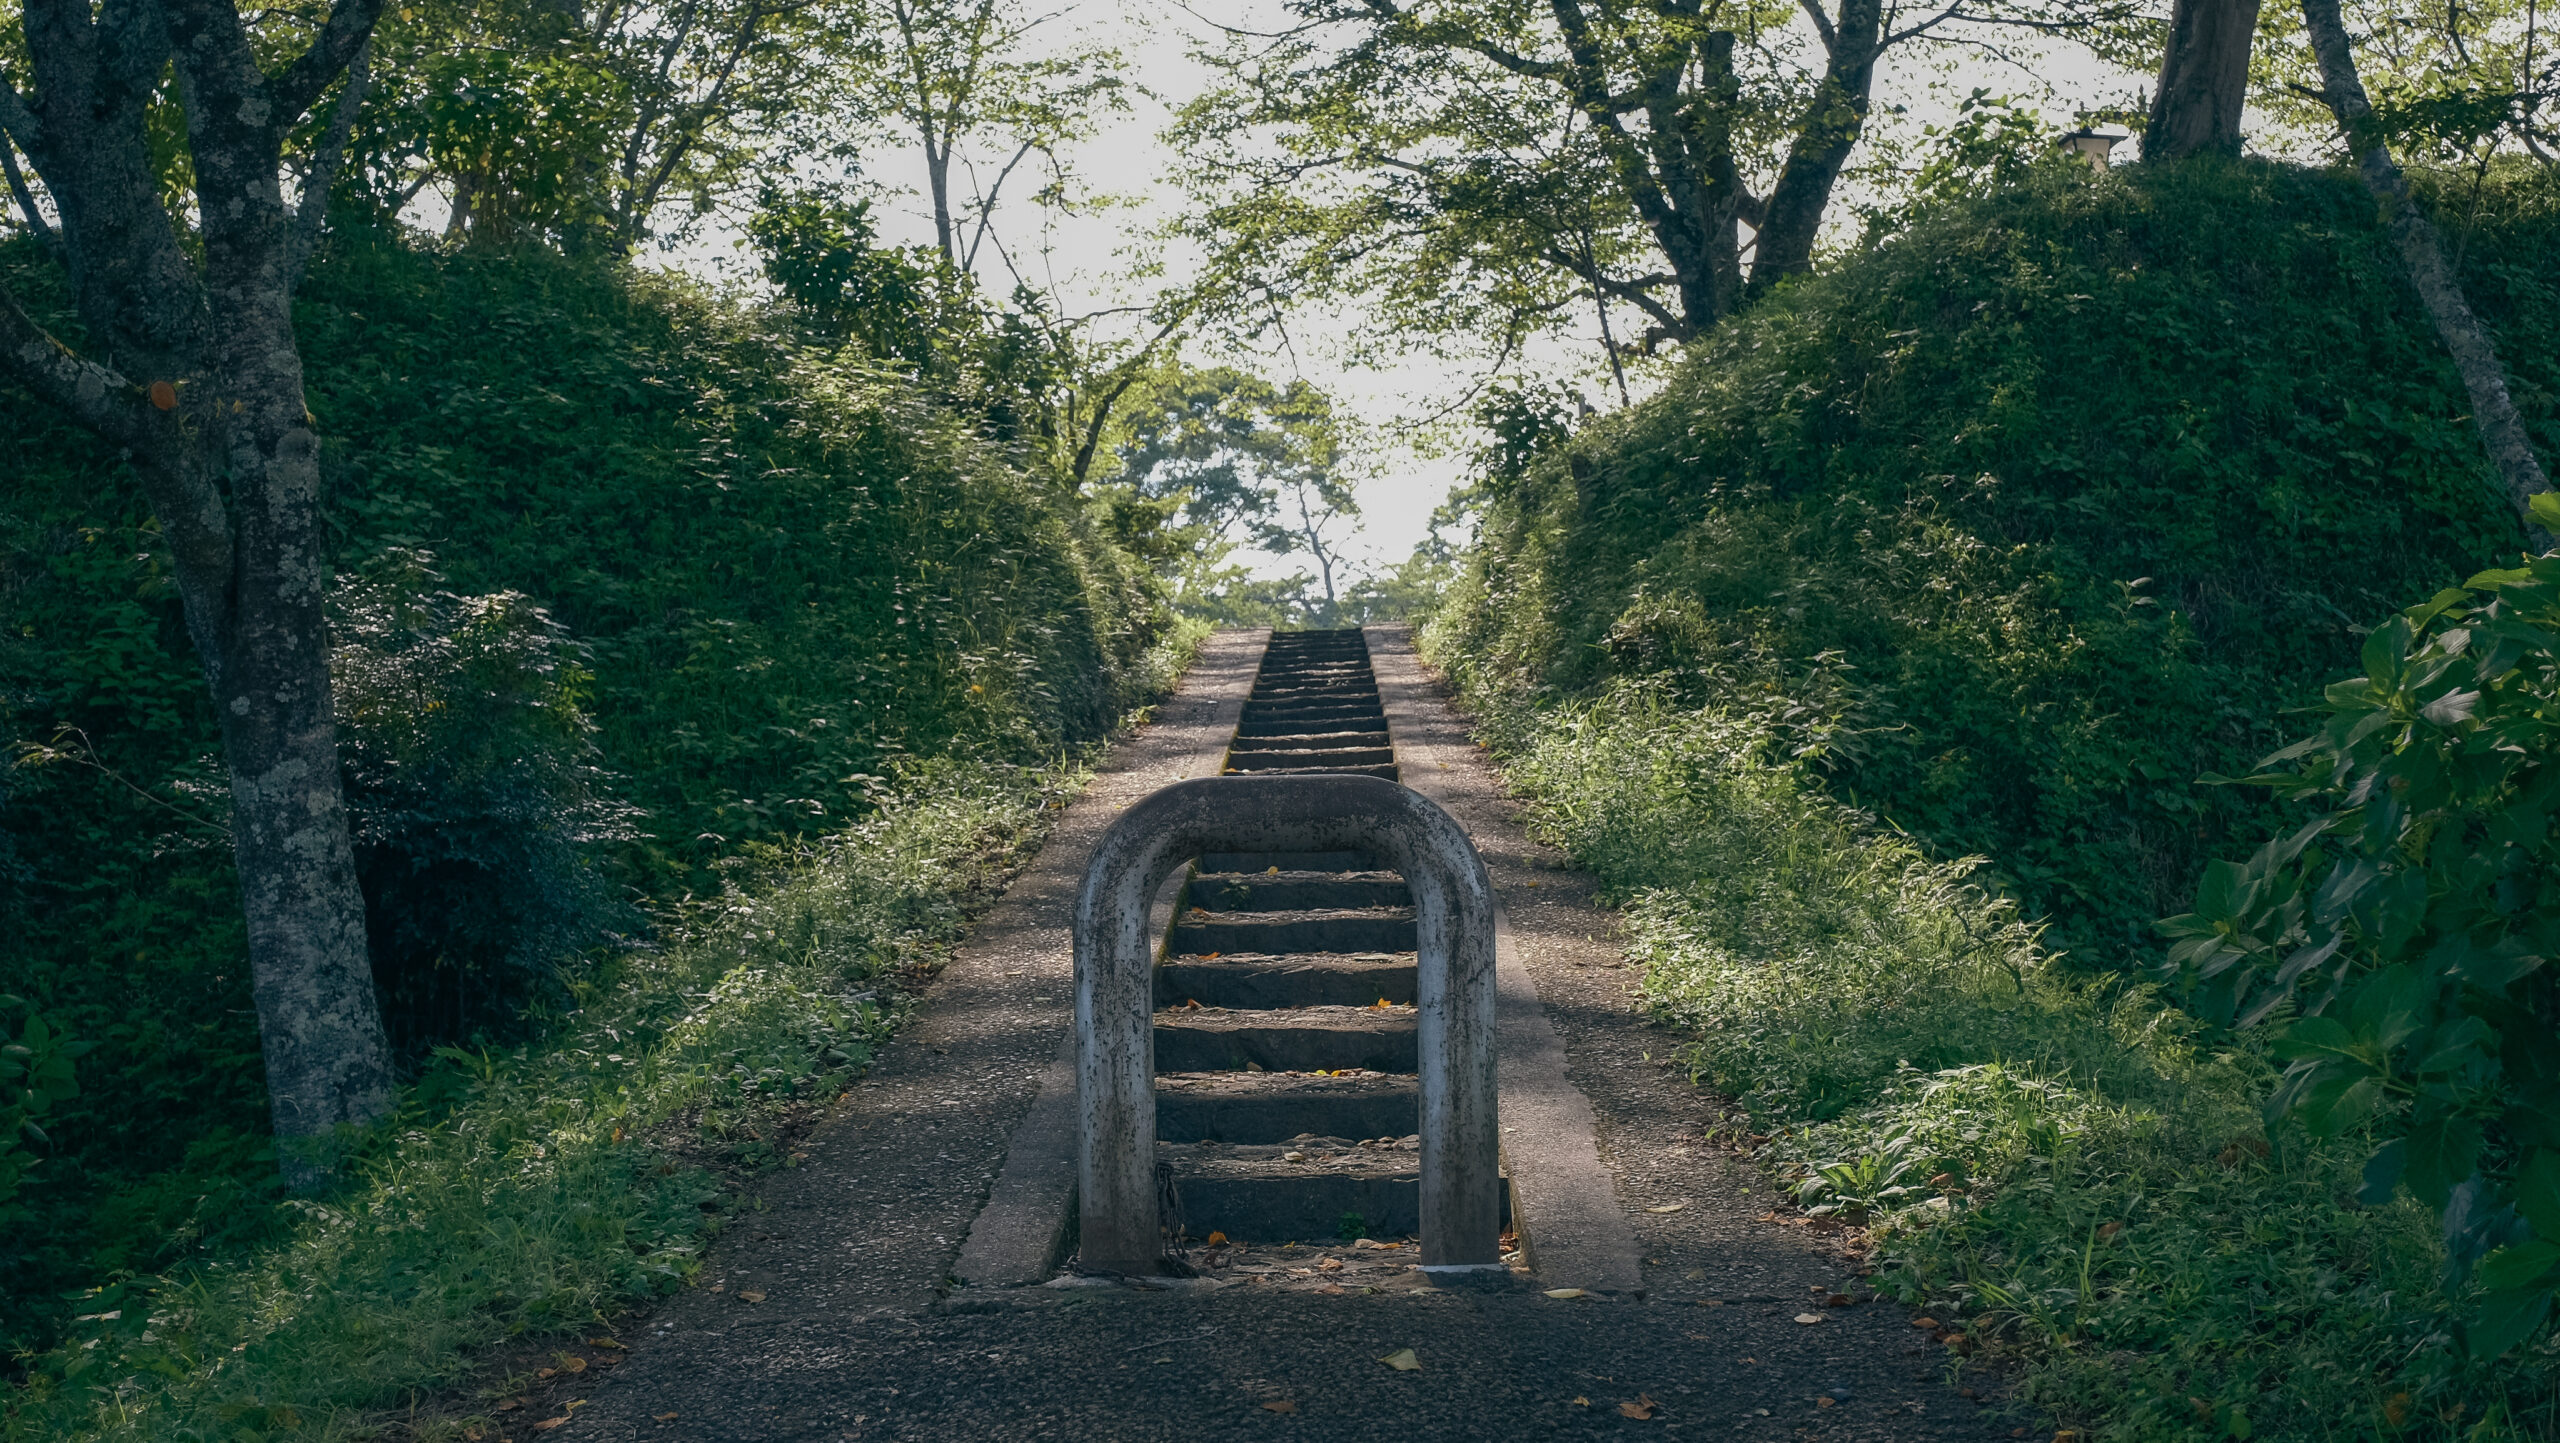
542, 1187
2068, 1171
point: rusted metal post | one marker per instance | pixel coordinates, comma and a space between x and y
1115, 995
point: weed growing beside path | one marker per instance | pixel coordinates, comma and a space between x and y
547, 1188
2069, 1173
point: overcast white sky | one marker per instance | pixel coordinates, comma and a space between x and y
1084, 254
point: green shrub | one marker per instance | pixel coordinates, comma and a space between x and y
480, 817
2403, 935
2016, 522
2066, 1169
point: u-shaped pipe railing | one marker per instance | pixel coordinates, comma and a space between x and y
1119, 1218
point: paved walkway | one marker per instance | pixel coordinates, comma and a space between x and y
854, 1333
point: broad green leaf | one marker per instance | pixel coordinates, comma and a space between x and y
2316, 1037
2382, 1173
2443, 1150
2218, 896
2538, 1193
2521, 1266
2334, 1104
2504, 1320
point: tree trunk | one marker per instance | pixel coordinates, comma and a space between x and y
1832, 123
203, 387
2475, 357
2204, 80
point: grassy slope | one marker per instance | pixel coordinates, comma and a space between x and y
802, 586
2115, 1233
1879, 543
2036, 513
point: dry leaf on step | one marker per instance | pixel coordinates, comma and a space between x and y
1641, 1409
750, 1295
547, 1424
1667, 1208
1581, 1402
1280, 1405
1216, 1238
1402, 1360
1808, 1317
663, 1417
1563, 1293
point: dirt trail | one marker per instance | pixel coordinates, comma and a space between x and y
856, 1332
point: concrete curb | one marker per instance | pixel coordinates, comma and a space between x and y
1565, 1200
1022, 1234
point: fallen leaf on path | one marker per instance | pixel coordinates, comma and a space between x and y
1402, 1360
1808, 1317
750, 1295
1562, 1293
1280, 1405
1641, 1409
509, 1405
1330, 1265
1839, 1300
546, 1372
1581, 1402
1667, 1208
573, 1364
1216, 1238
547, 1424
1924, 1322
1330, 1290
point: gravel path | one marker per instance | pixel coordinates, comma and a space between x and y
852, 1337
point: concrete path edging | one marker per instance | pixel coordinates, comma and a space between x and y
1022, 1235
1570, 1220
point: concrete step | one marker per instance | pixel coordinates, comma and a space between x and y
1299, 723
1269, 862
1298, 1039
1309, 741
1295, 979
1314, 707
1254, 730
1296, 891
1346, 929
1388, 772
1249, 1107
1241, 762
1336, 1188
1322, 686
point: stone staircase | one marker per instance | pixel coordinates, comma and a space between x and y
1287, 1105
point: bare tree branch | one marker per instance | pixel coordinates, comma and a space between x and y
323, 176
